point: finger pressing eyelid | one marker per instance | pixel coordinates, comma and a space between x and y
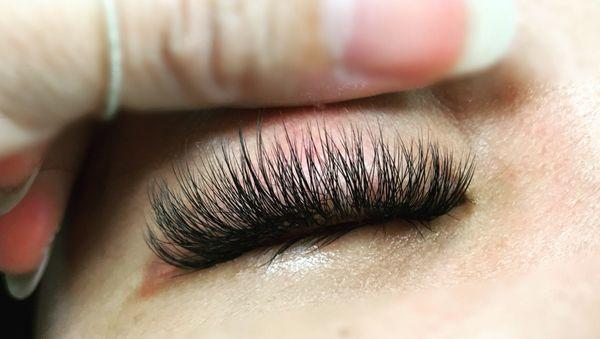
190, 54
210, 53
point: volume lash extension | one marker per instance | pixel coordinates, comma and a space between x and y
313, 190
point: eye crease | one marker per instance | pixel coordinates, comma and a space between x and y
310, 192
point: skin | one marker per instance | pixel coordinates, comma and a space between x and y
521, 260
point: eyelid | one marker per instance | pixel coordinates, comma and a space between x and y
314, 191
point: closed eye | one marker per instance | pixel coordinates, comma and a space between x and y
311, 191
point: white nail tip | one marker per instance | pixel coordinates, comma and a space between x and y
21, 286
9, 199
491, 28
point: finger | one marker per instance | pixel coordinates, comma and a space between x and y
272, 52
27, 231
17, 173
191, 54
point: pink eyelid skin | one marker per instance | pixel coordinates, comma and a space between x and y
156, 276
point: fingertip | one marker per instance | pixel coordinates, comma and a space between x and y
17, 173
28, 229
417, 42
21, 286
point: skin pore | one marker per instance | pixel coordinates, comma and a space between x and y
522, 259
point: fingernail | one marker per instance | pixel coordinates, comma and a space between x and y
491, 28
417, 40
21, 286
11, 196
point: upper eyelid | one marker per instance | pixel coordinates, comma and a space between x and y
176, 220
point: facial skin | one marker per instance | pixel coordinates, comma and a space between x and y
521, 260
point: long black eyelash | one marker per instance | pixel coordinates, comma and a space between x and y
314, 191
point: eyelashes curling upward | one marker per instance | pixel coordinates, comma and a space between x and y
312, 191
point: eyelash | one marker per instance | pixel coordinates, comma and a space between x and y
314, 193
